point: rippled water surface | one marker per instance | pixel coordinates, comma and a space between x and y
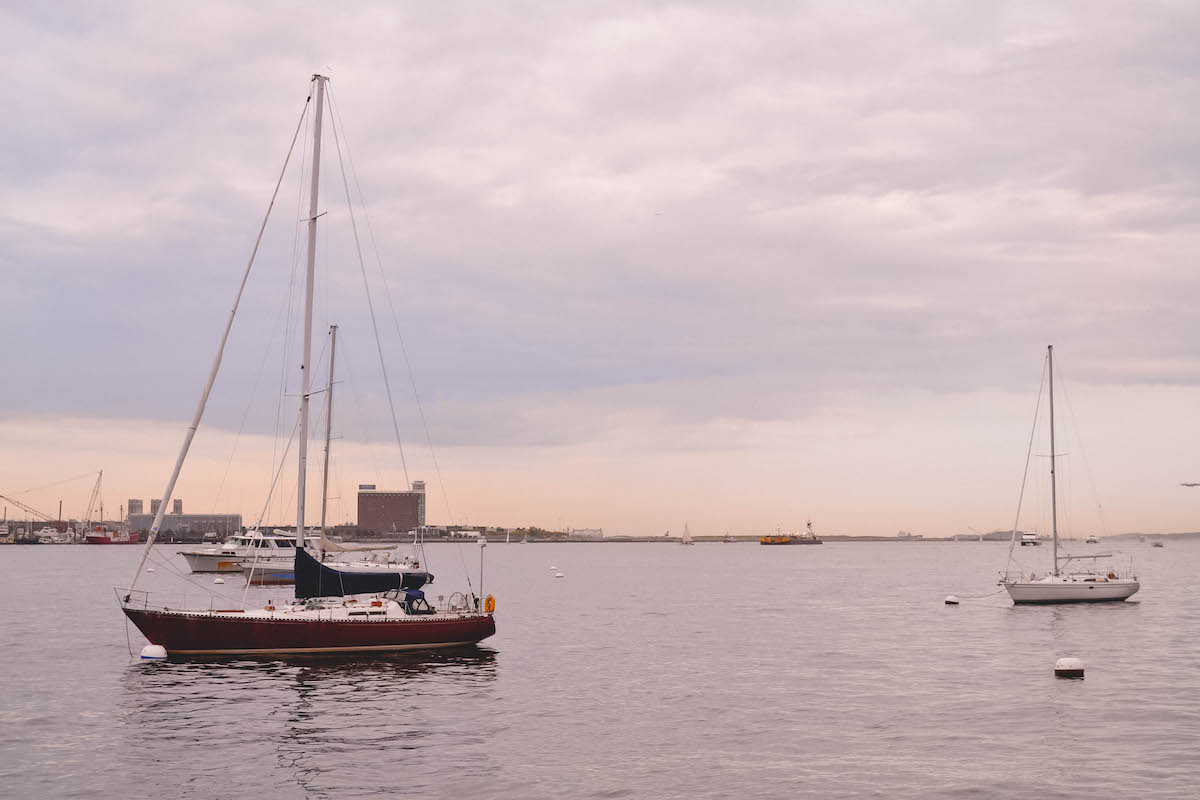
650, 670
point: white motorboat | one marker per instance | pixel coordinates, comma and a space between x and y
275, 545
1030, 540
370, 560
1091, 540
1064, 583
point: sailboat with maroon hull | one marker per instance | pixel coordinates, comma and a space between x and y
392, 619
334, 610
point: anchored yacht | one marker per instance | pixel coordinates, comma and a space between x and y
228, 556
1066, 583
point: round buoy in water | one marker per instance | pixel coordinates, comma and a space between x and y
149, 569
154, 652
951, 600
1068, 668
559, 575
218, 580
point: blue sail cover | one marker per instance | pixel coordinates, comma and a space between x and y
314, 579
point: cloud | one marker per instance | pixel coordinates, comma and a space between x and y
604, 222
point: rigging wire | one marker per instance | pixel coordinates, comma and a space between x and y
288, 332
166, 564
387, 293
370, 305
1025, 474
216, 366
249, 404
1087, 468
335, 120
358, 404
278, 472
56, 483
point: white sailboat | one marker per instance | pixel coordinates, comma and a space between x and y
687, 535
1069, 580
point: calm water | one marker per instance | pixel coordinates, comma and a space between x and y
651, 670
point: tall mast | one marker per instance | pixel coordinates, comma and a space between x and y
1053, 486
328, 425
216, 367
305, 382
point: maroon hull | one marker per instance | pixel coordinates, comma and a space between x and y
202, 634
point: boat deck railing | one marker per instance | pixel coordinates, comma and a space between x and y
455, 603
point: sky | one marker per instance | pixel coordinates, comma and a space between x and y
735, 265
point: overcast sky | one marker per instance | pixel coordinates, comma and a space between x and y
734, 264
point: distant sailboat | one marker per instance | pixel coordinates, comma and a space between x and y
1079, 585
687, 535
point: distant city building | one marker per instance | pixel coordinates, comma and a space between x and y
135, 506
586, 533
222, 524
154, 504
177, 506
381, 511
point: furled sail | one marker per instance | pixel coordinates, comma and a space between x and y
314, 579
330, 546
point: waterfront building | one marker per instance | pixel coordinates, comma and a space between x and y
223, 524
384, 511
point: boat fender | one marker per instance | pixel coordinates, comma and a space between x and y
489, 604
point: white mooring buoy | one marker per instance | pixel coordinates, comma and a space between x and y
951, 599
553, 567
154, 652
218, 580
1068, 668
559, 575
149, 569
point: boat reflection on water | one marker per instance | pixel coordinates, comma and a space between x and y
345, 665
332, 724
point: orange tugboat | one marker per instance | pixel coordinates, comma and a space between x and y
793, 538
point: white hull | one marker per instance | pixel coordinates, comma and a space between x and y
266, 571
1071, 591
211, 562
275, 571
383, 648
